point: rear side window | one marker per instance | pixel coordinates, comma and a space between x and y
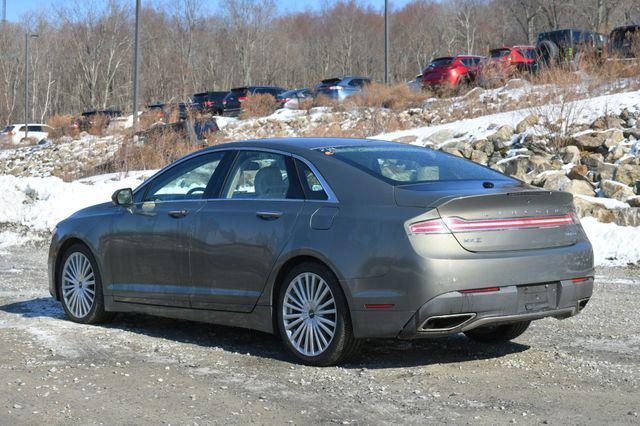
500, 53
405, 165
440, 62
35, 128
311, 185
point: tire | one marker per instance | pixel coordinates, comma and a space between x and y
498, 333
75, 285
549, 52
296, 314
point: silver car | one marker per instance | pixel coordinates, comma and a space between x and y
327, 242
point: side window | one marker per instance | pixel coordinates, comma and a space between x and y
187, 181
311, 185
262, 175
356, 82
21, 129
35, 128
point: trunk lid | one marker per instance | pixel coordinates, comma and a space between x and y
497, 215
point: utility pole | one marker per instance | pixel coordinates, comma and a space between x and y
136, 66
4, 12
386, 41
27, 36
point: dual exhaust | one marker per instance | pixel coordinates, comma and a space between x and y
443, 323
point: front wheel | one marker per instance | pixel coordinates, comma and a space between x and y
80, 286
313, 316
498, 333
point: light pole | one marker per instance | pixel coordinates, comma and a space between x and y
386, 41
27, 36
136, 66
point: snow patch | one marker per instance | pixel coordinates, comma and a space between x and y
613, 245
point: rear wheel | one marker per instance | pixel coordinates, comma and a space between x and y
498, 333
313, 316
80, 286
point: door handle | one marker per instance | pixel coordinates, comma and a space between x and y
268, 215
178, 213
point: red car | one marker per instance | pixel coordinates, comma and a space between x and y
514, 59
451, 71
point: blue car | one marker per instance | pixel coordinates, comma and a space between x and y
340, 88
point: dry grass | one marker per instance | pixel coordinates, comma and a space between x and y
62, 125
258, 105
397, 97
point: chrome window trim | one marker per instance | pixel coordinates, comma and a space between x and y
325, 185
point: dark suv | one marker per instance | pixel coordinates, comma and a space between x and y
209, 101
569, 46
624, 42
232, 103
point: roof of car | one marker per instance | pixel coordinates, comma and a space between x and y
303, 145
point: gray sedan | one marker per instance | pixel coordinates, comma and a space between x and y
327, 242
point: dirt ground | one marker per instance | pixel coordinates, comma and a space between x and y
146, 370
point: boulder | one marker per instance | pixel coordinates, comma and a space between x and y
628, 174
634, 201
627, 217
479, 157
608, 122
406, 139
556, 182
576, 187
613, 138
605, 171
527, 122
593, 161
617, 190
452, 151
570, 154
502, 135
541, 179
589, 141
440, 136
484, 146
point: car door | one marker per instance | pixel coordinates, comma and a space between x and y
147, 251
238, 237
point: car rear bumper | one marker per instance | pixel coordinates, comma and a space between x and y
455, 312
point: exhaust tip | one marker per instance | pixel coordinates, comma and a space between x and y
582, 304
446, 322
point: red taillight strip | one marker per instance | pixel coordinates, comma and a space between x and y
435, 226
457, 224
480, 290
580, 280
379, 305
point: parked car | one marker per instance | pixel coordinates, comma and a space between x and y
624, 42
340, 88
232, 103
451, 72
292, 98
570, 46
326, 242
210, 102
16, 133
416, 84
507, 62
89, 119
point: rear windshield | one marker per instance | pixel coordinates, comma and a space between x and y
440, 62
408, 165
500, 53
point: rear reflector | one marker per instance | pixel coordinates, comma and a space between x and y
480, 290
580, 280
457, 224
379, 306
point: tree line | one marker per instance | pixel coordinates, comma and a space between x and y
82, 58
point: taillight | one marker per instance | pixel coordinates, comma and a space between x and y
434, 226
285, 100
580, 280
453, 72
242, 98
456, 224
224, 102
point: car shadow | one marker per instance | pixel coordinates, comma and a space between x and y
373, 353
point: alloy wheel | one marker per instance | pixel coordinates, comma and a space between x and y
78, 285
309, 314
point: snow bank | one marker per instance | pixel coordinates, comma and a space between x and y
613, 245
40, 203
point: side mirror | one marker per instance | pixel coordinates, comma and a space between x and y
123, 197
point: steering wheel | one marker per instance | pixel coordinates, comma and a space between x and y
194, 190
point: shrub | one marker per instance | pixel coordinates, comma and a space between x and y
62, 125
258, 105
397, 97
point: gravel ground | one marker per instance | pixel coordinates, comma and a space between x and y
140, 369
